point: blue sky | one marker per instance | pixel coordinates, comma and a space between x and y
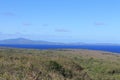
91, 21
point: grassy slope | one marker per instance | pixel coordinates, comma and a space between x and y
21, 64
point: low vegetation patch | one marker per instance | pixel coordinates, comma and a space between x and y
23, 64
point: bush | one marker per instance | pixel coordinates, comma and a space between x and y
54, 66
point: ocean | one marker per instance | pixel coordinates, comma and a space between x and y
108, 48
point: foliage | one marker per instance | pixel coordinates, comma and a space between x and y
24, 64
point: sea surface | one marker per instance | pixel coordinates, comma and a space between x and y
108, 48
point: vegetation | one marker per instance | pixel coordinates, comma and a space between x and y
24, 64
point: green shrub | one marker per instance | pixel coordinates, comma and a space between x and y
54, 66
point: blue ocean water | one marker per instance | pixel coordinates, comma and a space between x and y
109, 48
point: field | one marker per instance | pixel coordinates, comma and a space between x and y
28, 64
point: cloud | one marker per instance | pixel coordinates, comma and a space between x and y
99, 23
18, 33
1, 33
61, 30
12, 34
26, 24
45, 25
8, 14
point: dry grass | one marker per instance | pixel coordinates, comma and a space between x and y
23, 64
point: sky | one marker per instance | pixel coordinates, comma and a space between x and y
90, 21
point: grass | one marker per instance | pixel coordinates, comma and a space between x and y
24, 64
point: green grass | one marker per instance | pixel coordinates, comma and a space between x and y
23, 64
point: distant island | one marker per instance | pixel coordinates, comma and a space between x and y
35, 42
27, 41
42, 42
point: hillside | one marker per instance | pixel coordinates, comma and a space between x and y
26, 41
25, 64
